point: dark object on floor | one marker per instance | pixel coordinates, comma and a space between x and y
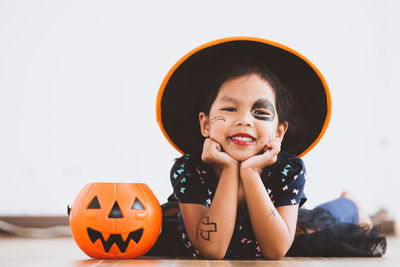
332, 239
169, 243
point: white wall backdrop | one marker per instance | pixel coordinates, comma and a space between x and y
79, 79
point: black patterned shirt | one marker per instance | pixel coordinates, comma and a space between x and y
194, 181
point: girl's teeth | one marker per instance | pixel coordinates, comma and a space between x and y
242, 138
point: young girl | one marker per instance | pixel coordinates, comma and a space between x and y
224, 196
239, 193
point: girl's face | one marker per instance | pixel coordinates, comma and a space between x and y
243, 117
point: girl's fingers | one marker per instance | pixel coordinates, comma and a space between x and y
214, 144
211, 148
273, 144
218, 147
272, 148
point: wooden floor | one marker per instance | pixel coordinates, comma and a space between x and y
59, 252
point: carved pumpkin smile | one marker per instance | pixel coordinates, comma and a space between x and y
115, 239
115, 220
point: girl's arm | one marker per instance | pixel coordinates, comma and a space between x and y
210, 229
273, 228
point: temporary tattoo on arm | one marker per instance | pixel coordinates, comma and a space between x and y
264, 103
206, 227
218, 118
272, 213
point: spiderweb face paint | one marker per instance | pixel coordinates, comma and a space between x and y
263, 103
217, 118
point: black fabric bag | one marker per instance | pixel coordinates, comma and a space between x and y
333, 239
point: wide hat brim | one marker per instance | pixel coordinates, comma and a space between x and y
177, 109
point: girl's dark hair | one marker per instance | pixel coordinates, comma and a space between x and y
235, 68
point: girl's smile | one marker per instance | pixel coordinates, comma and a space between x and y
243, 118
243, 139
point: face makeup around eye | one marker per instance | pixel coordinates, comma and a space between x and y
263, 109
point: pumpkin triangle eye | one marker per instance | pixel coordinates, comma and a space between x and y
94, 204
137, 205
115, 211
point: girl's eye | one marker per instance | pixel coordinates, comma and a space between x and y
262, 112
229, 109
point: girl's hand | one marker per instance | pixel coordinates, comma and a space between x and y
212, 154
259, 162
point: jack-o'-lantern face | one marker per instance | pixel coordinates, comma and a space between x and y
115, 220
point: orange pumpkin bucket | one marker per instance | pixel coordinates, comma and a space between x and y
115, 220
